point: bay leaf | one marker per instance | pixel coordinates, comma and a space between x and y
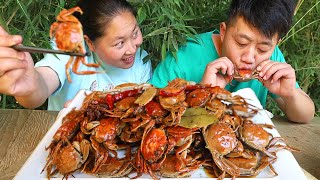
197, 118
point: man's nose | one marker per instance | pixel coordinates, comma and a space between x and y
248, 56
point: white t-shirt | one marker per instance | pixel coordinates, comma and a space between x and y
139, 73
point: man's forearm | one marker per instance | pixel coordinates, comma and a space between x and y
299, 107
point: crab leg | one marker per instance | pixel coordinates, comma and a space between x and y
66, 15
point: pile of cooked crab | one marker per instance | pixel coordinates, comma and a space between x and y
137, 130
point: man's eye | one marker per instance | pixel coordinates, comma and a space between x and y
241, 44
261, 51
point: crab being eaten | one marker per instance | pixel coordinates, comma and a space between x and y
68, 35
246, 75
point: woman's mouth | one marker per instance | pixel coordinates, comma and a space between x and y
129, 59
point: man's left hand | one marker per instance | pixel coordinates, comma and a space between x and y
279, 78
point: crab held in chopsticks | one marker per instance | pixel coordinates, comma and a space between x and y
246, 75
68, 35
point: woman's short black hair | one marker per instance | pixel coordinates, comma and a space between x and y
270, 17
98, 13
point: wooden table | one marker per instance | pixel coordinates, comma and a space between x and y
305, 137
22, 130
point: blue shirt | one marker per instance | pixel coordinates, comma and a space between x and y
110, 77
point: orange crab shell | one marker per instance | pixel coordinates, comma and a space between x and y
154, 145
67, 30
68, 37
246, 73
107, 130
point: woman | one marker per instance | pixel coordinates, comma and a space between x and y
112, 35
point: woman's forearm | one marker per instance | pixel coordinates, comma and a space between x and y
45, 83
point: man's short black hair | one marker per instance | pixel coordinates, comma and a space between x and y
270, 17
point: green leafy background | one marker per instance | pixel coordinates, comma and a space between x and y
166, 24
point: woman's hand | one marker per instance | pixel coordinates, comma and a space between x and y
218, 72
17, 71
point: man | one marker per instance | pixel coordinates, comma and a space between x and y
247, 41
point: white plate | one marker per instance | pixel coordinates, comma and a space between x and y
286, 165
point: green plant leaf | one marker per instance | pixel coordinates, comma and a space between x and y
158, 32
3, 24
163, 50
168, 15
174, 54
27, 16
142, 15
177, 2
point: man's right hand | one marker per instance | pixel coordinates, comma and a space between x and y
218, 72
17, 73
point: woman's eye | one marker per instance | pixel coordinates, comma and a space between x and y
135, 34
120, 44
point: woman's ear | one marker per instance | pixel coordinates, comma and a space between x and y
89, 42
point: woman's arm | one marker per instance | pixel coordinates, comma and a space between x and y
45, 82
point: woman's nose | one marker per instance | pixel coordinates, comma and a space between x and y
131, 48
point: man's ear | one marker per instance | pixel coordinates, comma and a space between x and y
223, 29
279, 41
89, 42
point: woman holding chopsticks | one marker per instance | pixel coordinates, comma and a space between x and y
111, 34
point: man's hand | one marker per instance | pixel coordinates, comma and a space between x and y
279, 78
218, 72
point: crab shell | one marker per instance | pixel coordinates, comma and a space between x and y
115, 168
69, 158
154, 145
67, 30
221, 140
243, 75
168, 168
